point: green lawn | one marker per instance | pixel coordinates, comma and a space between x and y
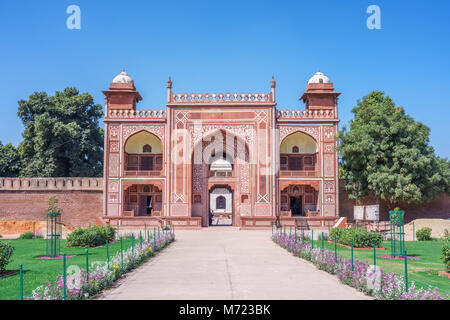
428, 252
37, 271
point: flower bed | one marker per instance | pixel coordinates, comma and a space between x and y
81, 286
363, 277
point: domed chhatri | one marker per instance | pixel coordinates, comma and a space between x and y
123, 77
319, 77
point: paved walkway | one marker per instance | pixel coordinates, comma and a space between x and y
226, 263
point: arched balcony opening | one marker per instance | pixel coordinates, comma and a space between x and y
299, 200
143, 200
298, 156
143, 155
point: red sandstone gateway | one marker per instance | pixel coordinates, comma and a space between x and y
230, 155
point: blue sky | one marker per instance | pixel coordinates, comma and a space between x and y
220, 46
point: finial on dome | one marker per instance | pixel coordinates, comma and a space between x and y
319, 77
123, 77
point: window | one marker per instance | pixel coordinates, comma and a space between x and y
320, 80
146, 189
147, 163
295, 163
220, 202
296, 190
308, 161
147, 148
294, 149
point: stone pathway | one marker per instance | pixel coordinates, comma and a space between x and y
227, 263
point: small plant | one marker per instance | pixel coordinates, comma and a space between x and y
6, 251
423, 234
52, 205
27, 235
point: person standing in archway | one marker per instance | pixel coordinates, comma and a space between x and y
211, 216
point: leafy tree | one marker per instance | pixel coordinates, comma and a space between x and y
10, 162
62, 137
387, 154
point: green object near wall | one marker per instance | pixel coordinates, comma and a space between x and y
54, 234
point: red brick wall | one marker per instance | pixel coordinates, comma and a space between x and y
79, 208
438, 208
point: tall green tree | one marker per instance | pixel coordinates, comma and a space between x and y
386, 153
62, 137
10, 162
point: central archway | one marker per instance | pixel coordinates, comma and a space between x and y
219, 159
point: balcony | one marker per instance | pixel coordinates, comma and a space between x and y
221, 174
143, 173
298, 173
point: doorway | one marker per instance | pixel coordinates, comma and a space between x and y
296, 205
146, 205
220, 207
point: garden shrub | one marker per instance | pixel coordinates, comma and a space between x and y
92, 236
6, 251
446, 255
361, 237
29, 235
423, 234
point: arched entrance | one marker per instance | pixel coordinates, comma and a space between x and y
221, 206
219, 159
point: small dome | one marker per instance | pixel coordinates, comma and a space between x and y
123, 77
221, 165
319, 77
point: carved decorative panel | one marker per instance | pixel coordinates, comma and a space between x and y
263, 209
245, 209
180, 209
328, 147
114, 146
113, 186
113, 197
329, 199
114, 132
329, 186
197, 177
113, 164
329, 164
157, 130
287, 130
244, 178
328, 133
245, 132
329, 210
